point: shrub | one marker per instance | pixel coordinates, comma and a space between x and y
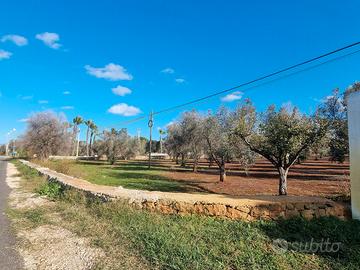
51, 189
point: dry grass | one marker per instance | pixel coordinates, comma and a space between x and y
134, 239
70, 212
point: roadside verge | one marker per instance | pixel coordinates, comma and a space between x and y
247, 208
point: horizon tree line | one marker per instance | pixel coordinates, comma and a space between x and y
283, 136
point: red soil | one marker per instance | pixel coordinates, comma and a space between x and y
312, 178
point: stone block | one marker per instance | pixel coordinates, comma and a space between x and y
236, 214
292, 213
243, 208
300, 206
307, 214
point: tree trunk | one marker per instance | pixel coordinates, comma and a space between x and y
87, 142
90, 144
283, 180
183, 160
211, 162
177, 159
74, 140
222, 172
195, 167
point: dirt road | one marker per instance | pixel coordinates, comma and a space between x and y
9, 257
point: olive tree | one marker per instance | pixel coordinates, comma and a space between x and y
217, 131
114, 144
279, 136
192, 133
175, 142
321, 147
335, 110
46, 134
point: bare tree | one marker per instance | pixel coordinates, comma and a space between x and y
279, 136
46, 135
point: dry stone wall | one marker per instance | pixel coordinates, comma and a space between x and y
242, 208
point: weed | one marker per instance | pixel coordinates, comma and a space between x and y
51, 189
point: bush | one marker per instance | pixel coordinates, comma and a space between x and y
51, 190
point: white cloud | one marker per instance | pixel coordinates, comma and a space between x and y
124, 110
16, 39
43, 102
23, 120
121, 90
66, 93
112, 72
232, 97
5, 54
49, 39
168, 70
67, 107
179, 80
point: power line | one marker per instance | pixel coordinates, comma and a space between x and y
259, 79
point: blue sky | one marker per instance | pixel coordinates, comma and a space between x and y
110, 60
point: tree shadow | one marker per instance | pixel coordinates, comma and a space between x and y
154, 182
298, 232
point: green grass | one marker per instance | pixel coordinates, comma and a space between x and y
194, 242
128, 175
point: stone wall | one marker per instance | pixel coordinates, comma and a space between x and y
266, 211
243, 208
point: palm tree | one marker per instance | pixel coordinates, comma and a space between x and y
88, 123
161, 132
76, 132
93, 133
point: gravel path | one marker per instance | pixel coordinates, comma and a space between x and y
47, 246
9, 257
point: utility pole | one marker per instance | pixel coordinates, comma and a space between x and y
150, 125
